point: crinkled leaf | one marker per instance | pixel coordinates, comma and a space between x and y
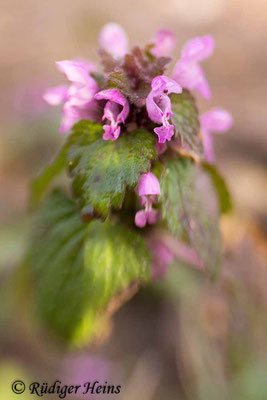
84, 132
185, 120
117, 259
78, 269
189, 204
102, 169
224, 196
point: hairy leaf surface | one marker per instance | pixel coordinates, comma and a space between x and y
189, 204
186, 121
102, 169
78, 269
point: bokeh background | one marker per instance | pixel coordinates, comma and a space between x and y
182, 338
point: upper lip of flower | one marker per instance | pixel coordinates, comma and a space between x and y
215, 120
114, 40
159, 105
164, 42
78, 97
187, 71
148, 185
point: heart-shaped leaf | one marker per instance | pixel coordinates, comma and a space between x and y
102, 169
79, 269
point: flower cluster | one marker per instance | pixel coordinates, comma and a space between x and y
78, 98
141, 98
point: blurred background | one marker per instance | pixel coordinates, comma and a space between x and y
181, 338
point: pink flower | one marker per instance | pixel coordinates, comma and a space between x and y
164, 42
148, 185
198, 49
158, 105
216, 120
77, 70
78, 97
79, 368
161, 257
148, 188
56, 95
114, 40
187, 71
116, 111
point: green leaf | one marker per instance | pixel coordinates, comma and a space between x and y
84, 132
116, 259
102, 169
77, 269
189, 205
56, 260
40, 185
224, 196
185, 120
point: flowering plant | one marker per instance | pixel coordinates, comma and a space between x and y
143, 181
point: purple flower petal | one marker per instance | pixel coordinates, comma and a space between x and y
164, 41
141, 218
148, 185
153, 110
161, 257
75, 71
162, 83
80, 95
114, 40
216, 120
115, 96
56, 95
164, 133
208, 146
112, 111
152, 216
187, 71
158, 105
203, 88
88, 65
191, 76
72, 114
111, 133
198, 49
